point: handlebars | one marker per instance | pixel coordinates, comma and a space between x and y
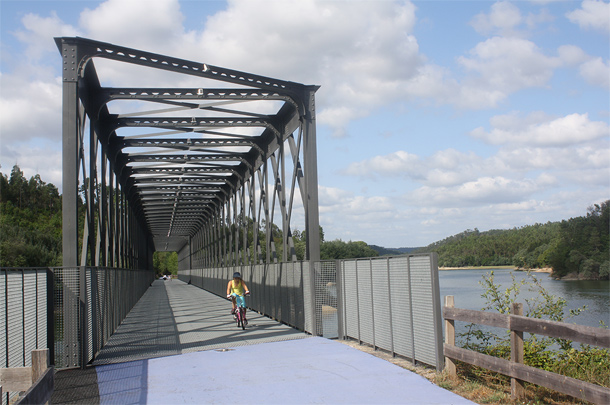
247, 293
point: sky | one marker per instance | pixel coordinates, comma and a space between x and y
433, 117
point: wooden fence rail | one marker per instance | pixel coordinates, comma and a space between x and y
514, 368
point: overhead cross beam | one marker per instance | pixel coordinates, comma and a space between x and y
201, 170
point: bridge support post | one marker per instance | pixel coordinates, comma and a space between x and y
70, 150
312, 220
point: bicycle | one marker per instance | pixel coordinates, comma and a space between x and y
240, 310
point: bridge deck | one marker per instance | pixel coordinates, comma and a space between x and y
163, 352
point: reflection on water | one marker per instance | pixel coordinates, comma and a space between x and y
464, 285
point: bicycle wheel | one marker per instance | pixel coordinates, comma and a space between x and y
242, 316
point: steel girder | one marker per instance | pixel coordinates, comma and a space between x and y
208, 184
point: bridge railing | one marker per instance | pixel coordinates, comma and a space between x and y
390, 303
282, 291
70, 311
26, 317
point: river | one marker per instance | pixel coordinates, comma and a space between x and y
464, 286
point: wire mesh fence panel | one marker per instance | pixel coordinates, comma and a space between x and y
89, 299
365, 300
392, 303
381, 308
296, 296
326, 299
30, 321
14, 321
284, 311
350, 298
23, 318
400, 292
308, 299
69, 306
423, 310
4, 325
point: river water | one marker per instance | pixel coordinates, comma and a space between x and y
464, 286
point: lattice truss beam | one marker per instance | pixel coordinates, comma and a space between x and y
205, 170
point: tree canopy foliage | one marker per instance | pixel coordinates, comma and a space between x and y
165, 263
30, 222
578, 247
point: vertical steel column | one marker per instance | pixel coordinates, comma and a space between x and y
103, 207
111, 215
70, 127
312, 220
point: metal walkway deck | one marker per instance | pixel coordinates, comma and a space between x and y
175, 318
151, 359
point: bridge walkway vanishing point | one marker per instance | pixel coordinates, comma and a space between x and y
179, 344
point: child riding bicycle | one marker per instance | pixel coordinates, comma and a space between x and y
236, 289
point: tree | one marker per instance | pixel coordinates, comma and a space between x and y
165, 263
338, 249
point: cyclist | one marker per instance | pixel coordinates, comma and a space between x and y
239, 288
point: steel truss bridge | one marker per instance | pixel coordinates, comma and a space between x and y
204, 169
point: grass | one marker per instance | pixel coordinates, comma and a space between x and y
474, 383
486, 387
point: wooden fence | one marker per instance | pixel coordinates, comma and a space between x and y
36, 382
514, 368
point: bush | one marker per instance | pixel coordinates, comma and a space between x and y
590, 364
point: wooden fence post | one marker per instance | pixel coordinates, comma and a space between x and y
517, 389
450, 337
40, 363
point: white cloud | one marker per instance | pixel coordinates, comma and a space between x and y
483, 190
509, 64
396, 163
362, 55
572, 55
138, 24
38, 34
30, 109
34, 160
563, 131
596, 72
593, 14
588, 157
503, 18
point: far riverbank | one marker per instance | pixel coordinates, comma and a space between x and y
543, 270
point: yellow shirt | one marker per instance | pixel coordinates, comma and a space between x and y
239, 289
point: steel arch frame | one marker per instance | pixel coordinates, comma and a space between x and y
202, 193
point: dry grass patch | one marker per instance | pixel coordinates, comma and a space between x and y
474, 383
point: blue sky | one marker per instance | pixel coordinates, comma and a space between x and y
433, 116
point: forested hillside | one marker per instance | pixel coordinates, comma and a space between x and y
578, 247
30, 222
